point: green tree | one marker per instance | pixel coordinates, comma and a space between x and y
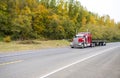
5, 28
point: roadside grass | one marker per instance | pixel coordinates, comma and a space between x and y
31, 45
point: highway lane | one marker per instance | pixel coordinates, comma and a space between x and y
106, 65
41, 63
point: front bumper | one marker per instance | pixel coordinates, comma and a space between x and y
76, 45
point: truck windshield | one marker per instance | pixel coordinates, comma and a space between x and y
78, 36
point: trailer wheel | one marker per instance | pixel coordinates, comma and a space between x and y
104, 44
101, 44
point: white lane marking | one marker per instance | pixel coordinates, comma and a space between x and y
84, 59
12, 62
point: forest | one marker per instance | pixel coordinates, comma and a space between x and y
54, 20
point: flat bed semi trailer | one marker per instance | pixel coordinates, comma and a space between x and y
99, 42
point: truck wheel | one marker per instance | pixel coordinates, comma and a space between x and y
72, 47
83, 46
93, 44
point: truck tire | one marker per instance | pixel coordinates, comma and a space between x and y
93, 45
101, 44
72, 47
83, 46
104, 44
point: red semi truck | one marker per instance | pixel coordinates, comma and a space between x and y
84, 39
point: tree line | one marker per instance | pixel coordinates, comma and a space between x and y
53, 19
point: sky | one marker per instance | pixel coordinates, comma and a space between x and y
103, 7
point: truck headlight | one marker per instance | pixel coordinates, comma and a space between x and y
71, 43
79, 44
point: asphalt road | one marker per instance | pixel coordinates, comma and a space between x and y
97, 62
